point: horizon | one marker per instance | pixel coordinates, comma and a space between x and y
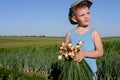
48, 36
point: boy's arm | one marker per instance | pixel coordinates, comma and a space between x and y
98, 44
67, 37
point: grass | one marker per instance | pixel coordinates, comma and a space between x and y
39, 54
11, 41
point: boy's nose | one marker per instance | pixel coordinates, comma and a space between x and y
86, 16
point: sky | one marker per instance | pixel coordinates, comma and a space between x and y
50, 17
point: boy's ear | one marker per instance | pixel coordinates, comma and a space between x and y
74, 19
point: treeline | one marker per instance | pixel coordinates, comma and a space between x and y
49, 36
23, 36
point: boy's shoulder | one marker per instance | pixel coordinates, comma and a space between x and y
94, 29
95, 32
71, 30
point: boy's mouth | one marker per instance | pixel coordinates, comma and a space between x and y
87, 20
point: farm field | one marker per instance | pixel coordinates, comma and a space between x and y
38, 55
11, 41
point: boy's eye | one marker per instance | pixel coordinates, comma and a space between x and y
81, 15
88, 12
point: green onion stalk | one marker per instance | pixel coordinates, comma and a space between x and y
73, 70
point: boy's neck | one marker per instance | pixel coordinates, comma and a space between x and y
81, 29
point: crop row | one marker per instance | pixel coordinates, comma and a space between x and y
42, 59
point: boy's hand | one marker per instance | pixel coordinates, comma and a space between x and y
79, 56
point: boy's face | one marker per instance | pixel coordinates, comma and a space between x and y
82, 16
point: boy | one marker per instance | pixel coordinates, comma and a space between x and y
92, 48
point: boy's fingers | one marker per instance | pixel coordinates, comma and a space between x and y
77, 59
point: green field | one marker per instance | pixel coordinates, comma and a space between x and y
38, 56
6, 42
